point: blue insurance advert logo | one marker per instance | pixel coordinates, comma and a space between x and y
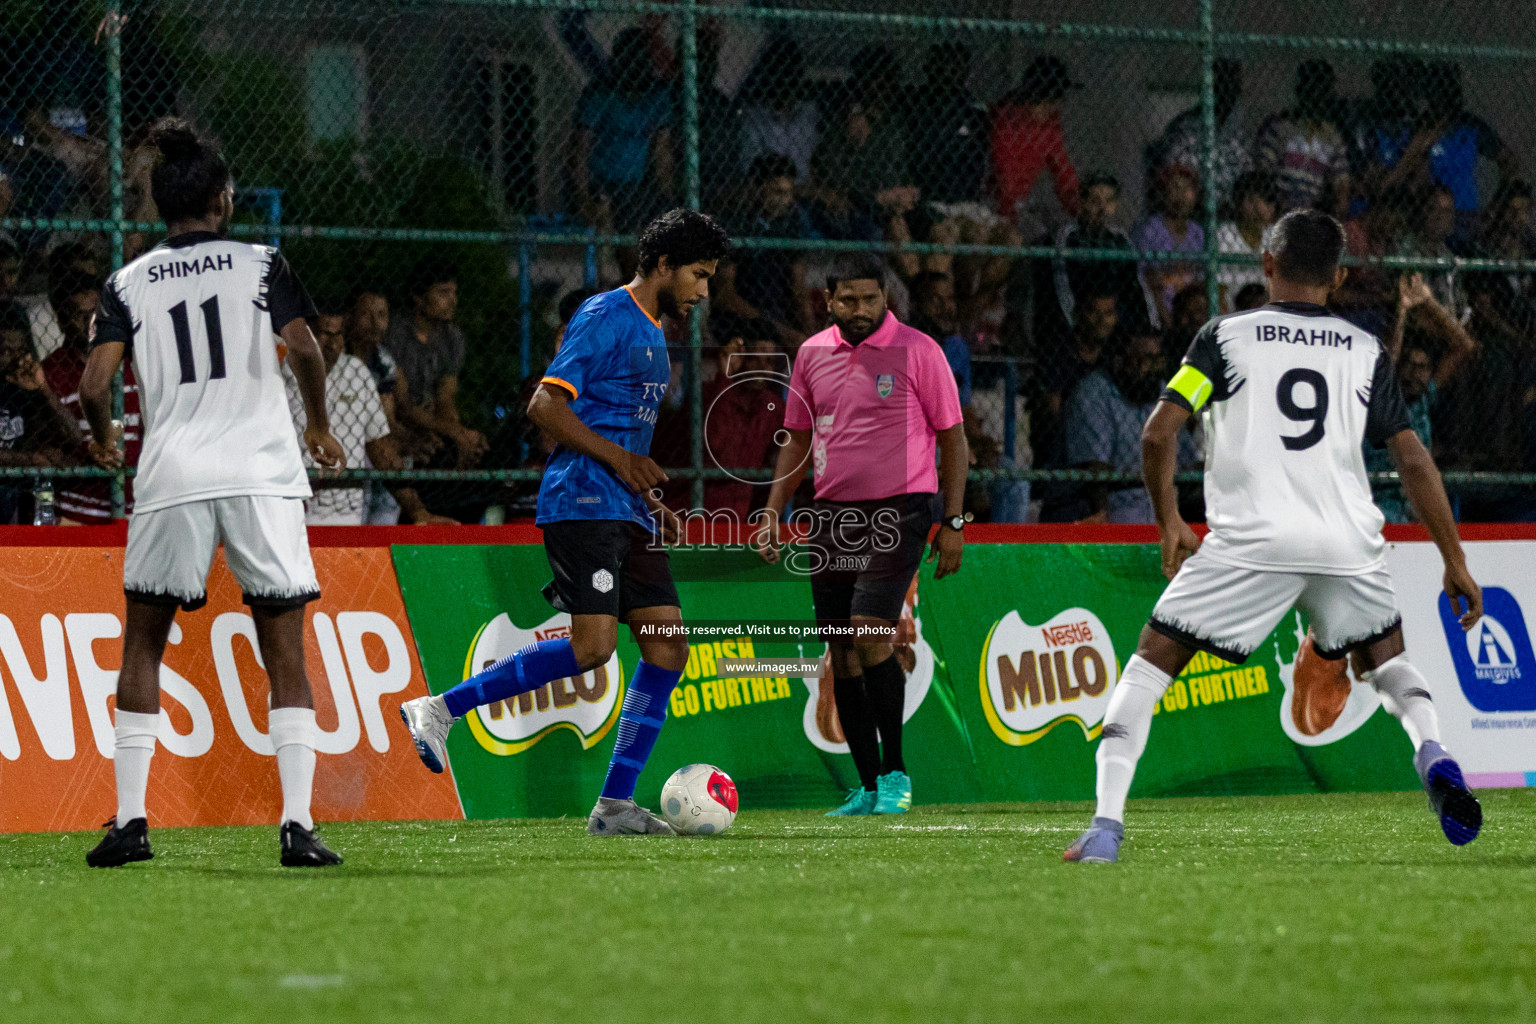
1493, 660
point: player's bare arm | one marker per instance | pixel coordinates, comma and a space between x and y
96, 399
1426, 493
1159, 460
954, 463
308, 367
788, 470
550, 410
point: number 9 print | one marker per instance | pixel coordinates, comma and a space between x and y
1315, 414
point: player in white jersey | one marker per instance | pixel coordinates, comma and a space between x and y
1292, 392
200, 315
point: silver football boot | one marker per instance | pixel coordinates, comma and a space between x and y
428, 721
625, 818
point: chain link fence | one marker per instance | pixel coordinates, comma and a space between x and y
1063, 193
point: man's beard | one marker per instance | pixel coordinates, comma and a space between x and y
669, 306
857, 329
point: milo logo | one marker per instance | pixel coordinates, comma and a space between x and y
587, 704
1033, 678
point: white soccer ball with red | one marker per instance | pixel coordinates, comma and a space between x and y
699, 800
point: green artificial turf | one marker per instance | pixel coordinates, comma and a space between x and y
1311, 908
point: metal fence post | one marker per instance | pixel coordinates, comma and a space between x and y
1208, 151
114, 41
690, 40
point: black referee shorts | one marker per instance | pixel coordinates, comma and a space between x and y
606, 567
866, 553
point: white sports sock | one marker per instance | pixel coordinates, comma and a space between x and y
1124, 737
293, 737
1405, 695
133, 746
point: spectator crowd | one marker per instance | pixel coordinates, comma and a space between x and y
1059, 358
1408, 169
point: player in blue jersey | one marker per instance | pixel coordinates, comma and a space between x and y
602, 518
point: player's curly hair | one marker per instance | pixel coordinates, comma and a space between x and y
683, 237
189, 172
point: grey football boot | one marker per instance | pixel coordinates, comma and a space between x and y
1099, 845
428, 720
1461, 816
625, 818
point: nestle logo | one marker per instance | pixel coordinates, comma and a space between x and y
1067, 634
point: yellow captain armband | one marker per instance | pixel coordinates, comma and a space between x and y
1192, 385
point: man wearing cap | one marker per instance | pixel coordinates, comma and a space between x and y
869, 401
1026, 137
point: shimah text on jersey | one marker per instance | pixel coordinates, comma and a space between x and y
1301, 336
188, 268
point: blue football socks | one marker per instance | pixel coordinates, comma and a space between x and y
640, 721
528, 669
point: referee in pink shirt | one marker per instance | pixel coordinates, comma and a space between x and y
869, 400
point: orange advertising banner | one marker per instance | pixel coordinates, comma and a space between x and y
61, 625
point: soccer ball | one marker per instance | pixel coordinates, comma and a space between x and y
699, 800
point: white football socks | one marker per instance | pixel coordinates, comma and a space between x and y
293, 737
133, 746
1405, 695
1124, 737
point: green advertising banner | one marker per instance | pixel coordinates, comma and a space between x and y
546, 753
1011, 664
1034, 635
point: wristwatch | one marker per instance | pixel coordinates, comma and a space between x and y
958, 522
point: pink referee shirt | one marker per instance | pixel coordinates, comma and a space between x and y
874, 409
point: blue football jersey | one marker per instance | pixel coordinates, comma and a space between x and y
614, 363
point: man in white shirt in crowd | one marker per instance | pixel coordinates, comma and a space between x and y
358, 421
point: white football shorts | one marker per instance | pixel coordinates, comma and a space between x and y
171, 549
1229, 611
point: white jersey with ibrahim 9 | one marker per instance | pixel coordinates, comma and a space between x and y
199, 315
1293, 393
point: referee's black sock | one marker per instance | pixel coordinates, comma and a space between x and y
858, 722
886, 685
